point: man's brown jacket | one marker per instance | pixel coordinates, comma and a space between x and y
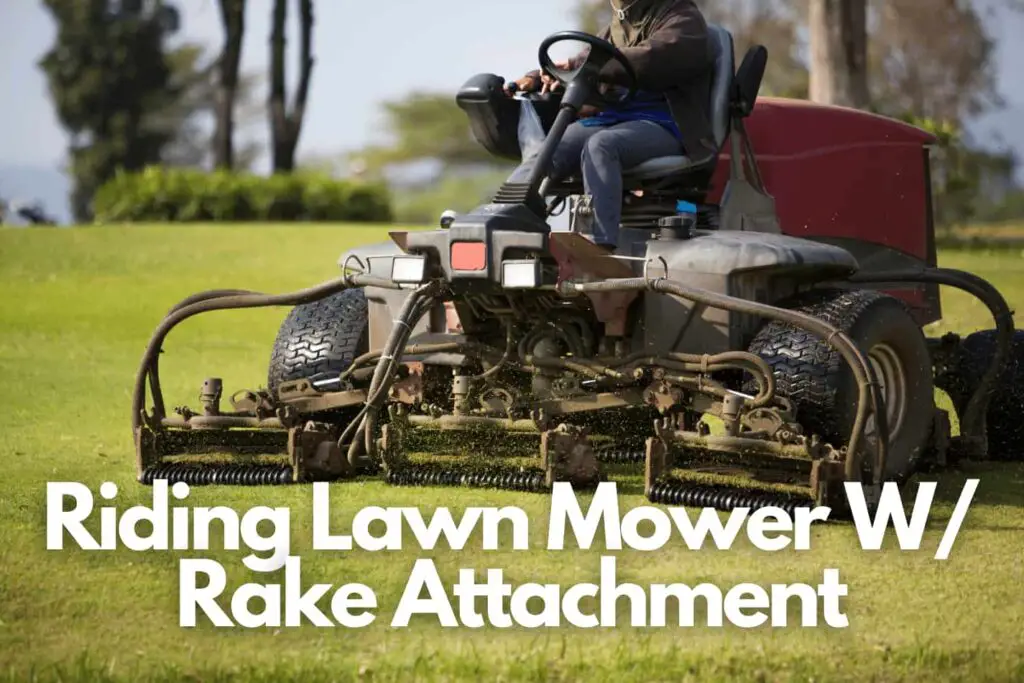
675, 59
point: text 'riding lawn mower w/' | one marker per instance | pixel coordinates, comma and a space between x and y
769, 318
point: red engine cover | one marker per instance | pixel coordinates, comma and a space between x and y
837, 172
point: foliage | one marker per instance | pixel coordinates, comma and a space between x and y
935, 59
189, 195
425, 126
1008, 208
431, 127
961, 175
108, 73
459, 193
195, 77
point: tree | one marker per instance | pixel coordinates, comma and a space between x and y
232, 16
285, 122
188, 118
931, 63
426, 126
933, 59
839, 52
108, 74
776, 24
181, 121
432, 154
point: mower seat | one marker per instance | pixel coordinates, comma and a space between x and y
724, 66
669, 168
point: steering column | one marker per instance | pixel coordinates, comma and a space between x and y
582, 86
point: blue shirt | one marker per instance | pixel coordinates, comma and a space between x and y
645, 106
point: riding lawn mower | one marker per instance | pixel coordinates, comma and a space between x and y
771, 339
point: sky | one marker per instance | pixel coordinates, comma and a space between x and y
367, 52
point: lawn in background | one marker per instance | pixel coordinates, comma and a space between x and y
76, 309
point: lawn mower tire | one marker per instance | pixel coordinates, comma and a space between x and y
320, 338
1005, 418
812, 375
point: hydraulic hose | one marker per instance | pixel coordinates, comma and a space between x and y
415, 307
222, 300
973, 421
730, 360
154, 372
869, 399
211, 294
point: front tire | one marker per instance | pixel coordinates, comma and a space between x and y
320, 338
810, 373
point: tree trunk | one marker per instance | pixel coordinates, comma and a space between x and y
232, 13
839, 54
285, 124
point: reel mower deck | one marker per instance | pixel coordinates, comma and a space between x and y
388, 397
494, 326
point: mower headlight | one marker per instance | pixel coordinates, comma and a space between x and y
520, 274
408, 270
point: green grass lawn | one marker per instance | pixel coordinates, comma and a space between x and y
77, 308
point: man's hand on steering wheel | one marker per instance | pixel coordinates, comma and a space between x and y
552, 84
580, 77
579, 74
527, 84
531, 83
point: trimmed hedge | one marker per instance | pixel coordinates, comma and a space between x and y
187, 195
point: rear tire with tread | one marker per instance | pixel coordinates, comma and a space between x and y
1005, 418
810, 373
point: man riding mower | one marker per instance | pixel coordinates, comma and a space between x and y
665, 43
745, 353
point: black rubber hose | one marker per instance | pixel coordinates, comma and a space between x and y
415, 307
869, 398
219, 300
374, 396
211, 294
154, 374
974, 418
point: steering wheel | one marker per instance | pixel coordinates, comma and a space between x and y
601, 52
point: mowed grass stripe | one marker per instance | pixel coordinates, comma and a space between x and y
76, 310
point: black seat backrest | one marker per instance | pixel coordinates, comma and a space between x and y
748, 80
724, 68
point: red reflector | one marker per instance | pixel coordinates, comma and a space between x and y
469, 256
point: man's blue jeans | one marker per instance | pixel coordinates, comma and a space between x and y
602, 152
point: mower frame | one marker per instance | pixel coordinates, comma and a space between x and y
430, 278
